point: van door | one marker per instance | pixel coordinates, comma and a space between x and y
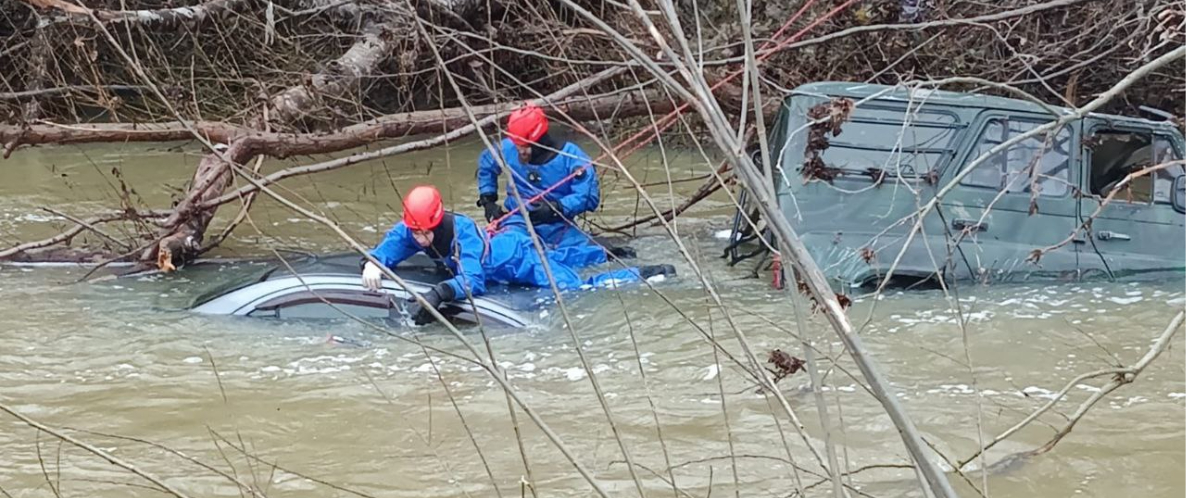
1018, 200
1138, 231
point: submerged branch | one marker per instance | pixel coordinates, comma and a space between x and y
79, 227
1120, 377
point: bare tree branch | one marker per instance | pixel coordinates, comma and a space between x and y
103, 454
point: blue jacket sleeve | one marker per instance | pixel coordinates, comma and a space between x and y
396, 246
585, 194
488, 169
470, 246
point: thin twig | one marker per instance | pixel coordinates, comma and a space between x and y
44, 471
1121, 376
250, 456
102, 454
195, 461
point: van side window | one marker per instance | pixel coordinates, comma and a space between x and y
1010, 169
878, 139
1116, 154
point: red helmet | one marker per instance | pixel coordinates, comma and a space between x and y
527, 124
423, 209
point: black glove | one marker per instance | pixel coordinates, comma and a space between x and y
544, 214
625, 252
436, 296
490, 203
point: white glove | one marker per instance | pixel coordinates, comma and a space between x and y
372, 277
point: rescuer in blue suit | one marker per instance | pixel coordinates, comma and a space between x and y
537, 162
474, 259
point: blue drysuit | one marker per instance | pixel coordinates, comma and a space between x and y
514, 260
508, 257
576, 196
463, 256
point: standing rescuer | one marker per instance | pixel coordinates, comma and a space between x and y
456, 242
538, 161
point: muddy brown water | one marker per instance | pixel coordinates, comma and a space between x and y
122, 357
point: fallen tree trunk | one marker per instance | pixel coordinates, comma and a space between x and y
166, 18
282, 145
339, 78
14, 136
46, 92
184, 229
181, 237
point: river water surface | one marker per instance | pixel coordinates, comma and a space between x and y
278, 407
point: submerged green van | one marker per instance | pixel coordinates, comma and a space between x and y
853, 196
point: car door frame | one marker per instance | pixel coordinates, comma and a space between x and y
1144, 214
1017, 203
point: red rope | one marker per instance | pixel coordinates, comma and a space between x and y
776, 270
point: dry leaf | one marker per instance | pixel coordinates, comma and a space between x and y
164, 260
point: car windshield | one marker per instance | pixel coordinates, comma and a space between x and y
251, 275
878, 136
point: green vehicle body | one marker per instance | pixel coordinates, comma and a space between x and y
989, 225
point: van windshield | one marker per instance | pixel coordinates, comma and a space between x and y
878, 137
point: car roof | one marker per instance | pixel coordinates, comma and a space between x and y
902, 93
418, 269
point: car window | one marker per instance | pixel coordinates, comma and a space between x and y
303, 303
1117, 154
877, 136
323, 310
1010, 169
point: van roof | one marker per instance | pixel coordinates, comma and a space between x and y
902, 93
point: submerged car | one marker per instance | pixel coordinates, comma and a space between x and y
322, 287
1030, 211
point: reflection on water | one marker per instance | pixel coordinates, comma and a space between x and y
371, 414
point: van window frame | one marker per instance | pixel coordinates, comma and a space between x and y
987, 117
949, 153
946, 153
1095, 123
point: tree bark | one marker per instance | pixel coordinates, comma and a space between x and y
14, 136
181, 239
165, 18
339, 78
